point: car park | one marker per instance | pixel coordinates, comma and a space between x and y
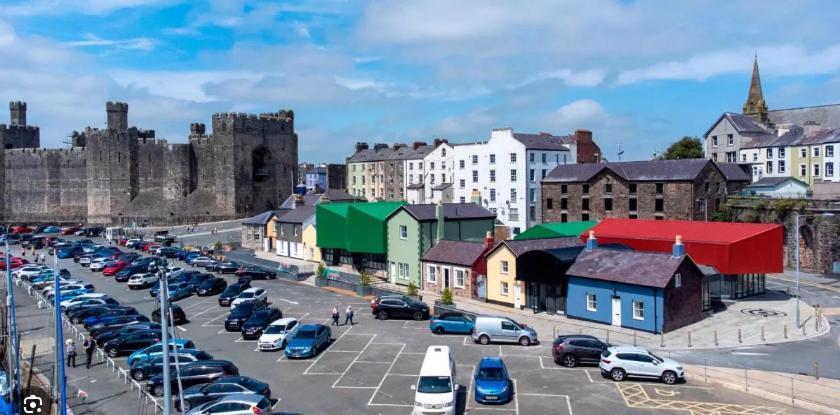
130, 343
235, 404
231, 292
144, 369
197, 395
452, 323
177, 314
436, 391
491, 381
620, 362
259, 320
275, 336
211, 286
157, 349
502, 329
79, 316
193, 374
308, 341
240, 313
386, 307
256, 273
144, 280
111, 323
571, 350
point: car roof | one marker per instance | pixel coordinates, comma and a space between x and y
252, 289
491, 361
284, 321
436, 362
310, 327
628, 349
250, 398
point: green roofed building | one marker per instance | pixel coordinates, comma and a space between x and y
556, 230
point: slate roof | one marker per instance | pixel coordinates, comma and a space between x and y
338, 195
442, 186
262, 218
455, 252
312, 198
733, 172
774, 181
451, 211
415, 186
520, 247
827, 116
544, 141
630, 267
390, 153
798, 136
299, 214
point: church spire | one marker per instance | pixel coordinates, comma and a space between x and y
755, 105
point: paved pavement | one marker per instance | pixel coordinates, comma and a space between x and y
369, 367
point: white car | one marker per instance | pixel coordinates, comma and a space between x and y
142, 280
49, 291
621, 362
274, 336
29, 271
173, 270
251, 294
69, 303
99, 264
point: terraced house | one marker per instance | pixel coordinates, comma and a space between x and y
383, 172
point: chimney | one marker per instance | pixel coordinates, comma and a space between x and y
439, 141
399, 145
440, 221
418, 144
583, 135
379, 146
298, 201
475, 197
591, 243
679, 248
361, 146
17, 113
488, 240
117, 115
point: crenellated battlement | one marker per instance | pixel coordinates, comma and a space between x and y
116, 106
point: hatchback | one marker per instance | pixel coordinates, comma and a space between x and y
157, 349
130, 343
277, 333
231, 292
145, 280
176, 311
621, 362
254, 294
259, 320
308, 341
103, 338
239, 314
452, 322
571, 350
235, 404
144, 369
111, 323
492, 382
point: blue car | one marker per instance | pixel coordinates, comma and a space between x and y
157, 349
69, 252
309, 340
452, 322
492, 381
177, 290
98, 318
51, 229
191, 256
71, 294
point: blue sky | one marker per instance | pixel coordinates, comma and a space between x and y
636, 73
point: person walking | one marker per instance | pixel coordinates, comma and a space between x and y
90, 346
71, 353
335, 316
348, 315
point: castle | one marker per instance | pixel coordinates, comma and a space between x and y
124, 175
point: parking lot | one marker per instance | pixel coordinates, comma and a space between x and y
369, 367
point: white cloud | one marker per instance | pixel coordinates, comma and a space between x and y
580, 111
137, 43
89, 7
587, 78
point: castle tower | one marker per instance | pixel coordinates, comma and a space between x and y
17, 111
755, 105
117, 115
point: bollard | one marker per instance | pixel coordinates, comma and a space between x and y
661, 340
554, 332
634, 339
792, 394
689, 339
817, 317
608, 336
716, 340
706, 370
803, 329
739, 336
746, 381
817, 370
785, 330
762, 333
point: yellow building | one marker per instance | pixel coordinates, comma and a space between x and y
311, 252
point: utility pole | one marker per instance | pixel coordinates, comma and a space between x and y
59, 339
10, 306
164, 313
177, 364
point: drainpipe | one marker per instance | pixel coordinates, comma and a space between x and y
440, 221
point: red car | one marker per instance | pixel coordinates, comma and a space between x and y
149, 247
70, 230
122, 241
16, 262
19, 229
114, 269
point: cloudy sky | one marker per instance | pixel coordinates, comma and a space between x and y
637, 73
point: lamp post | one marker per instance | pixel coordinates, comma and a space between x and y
796, 217
14, 365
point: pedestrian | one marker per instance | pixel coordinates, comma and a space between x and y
90, 346
71, 353
348, 315
335, 316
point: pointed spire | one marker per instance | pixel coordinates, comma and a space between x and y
755, 105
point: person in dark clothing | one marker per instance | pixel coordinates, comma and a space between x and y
90, 347
335, 316
348, 316
71, 353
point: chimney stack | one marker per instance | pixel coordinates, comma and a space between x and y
591, 243
439, 141
298, 201
679, 247
361, 146
379, 146
488, 241
418, 144
17, 113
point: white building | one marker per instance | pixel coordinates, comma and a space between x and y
779, 187
429, 180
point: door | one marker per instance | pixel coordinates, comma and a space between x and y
481, 287
616, 311
446, 278
509, 332
517, 294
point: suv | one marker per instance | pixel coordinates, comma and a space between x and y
452, 322
231, 292
254, 294
259, 320
130, 343
143, 369
577, 348
256, 273
142, 280
621, 362
399, 306
204, 371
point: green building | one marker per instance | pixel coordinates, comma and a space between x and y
413, 229
556, 230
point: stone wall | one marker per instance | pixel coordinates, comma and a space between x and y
45, 185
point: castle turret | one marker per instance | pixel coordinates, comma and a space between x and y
117, 115
197, 130
17, 110
755, 105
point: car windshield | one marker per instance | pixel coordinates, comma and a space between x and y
306, 334
276, 329
491, 373
434, 384
247, 294
661, 360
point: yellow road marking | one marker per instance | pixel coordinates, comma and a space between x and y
635, 396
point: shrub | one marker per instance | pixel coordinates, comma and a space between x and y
364, 279
412, 289
446, 297
322, 270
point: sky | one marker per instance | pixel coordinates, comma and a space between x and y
639, 74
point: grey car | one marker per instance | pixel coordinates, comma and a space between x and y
234, 404
504, 330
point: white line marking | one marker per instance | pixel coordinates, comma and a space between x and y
181, 328
373, 363
207, 323
355, 359
749, 354
386, 374
288, 301
305, 372
516, 396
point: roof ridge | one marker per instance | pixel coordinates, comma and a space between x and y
805, 107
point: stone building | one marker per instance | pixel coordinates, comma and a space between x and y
658, 189
124, 175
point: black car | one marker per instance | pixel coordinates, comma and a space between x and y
124, 274
393, 306
196, 280
240, 314
144, 369
128, 257
211, 286
113, 312
225, 385
226, 267
116, 322
256, 273
79, 315
573, 349
168, 252
91, 302
231, 292
130, 343
177, 313
259, 320
193, 374
102, 338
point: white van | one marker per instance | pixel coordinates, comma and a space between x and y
436, 391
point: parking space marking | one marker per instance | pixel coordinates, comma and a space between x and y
200, 302
314, 362
347, 369
635, 396
205, 311
207, 323
382, 381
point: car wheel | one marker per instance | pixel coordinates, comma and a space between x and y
617, 374
137, 375
484, 339
439, 330
669, 377
525, 341
382, 315
158, 390
570, 360
112, 352
418, 315
187, 406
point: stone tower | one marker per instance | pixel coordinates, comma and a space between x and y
18, 113
755, 105
117, 115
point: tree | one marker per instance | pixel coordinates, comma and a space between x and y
446, 297
412, 289
685, 148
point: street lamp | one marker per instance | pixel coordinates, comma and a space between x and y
796, 216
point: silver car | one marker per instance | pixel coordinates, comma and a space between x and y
234, 404
502, 329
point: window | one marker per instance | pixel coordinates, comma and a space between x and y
531, 157
591, 302
584, 204
714, 141
503, 289
513, 175
296, 229
564, 203
585, 189
462, 183
816, 170
638, 310
543, 157
513, 214
432, 177
459, 278
633, 204
730, 140
632, 188
803, 170
564, 218
492, 176
432, 278
659, 205
431, 165
504, 267
403, 232
660, 188
608, 205
492, 159
544, 173
531, 174
512, 195
714, 156
354, 180
743, 156
474, 159
633, 216
532, 195
781, 152
461, 164
492, 195
549, 203
803, 152
781, 166
532, 211
769, 167
829, 169
564, 189
462, 199
608, 188
411, 166
584, 217
769, 153
475, 176
678, 280
513, 157
829, 151
731, 157
755, 156
443, 152
403, 270
816, 151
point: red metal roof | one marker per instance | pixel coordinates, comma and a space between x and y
732, 248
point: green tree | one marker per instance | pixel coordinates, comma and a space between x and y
685, 148
412, 289
446, 297
365, 279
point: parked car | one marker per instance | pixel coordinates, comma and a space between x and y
621, 362
308, 341
112, 269
129, 271
110, 312
20, 229
70, 230
51, 230
195, 396
104, 337
226, 267
201, 354
239, 314
49, 292
193, 374
173, 270
256, 273
89, 303
177, 290
28, 271
69, 252
201, 261
138, 281
502, 329
275, 336
168, 251
253, 294
211, 286
127, 258
570, 350
130, 343
177, 314
196, 279
259, 320
150, 367
157, 349
100, 265
111, 323
78, 315
386, 307
82, 298
231, 292
452, 322
235, 404
492, 382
